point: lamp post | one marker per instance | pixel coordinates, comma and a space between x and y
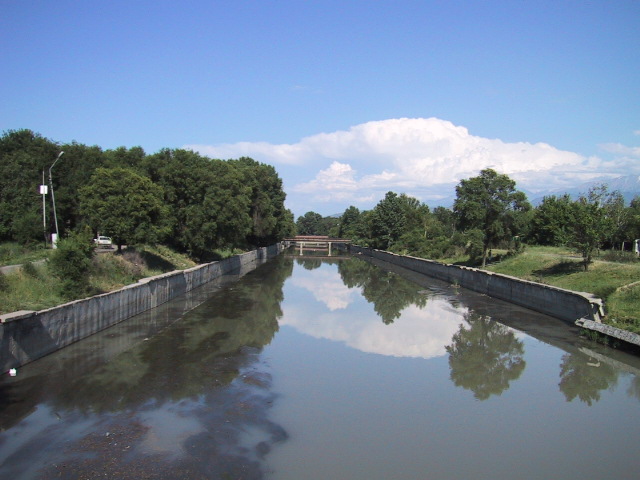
43, 192
53, 199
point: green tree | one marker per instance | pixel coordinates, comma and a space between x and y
447, 219
348, 222
424, 235
633, 231
122, 157
124, 205
551, 221
24, 156
285, 226
310, 224
73, 171
388, 221
618, 219
208, 201
591, 222
227, 206
353, 226
270, 219
491, 204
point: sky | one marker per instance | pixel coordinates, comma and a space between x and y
346, 99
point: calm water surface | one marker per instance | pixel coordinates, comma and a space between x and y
326, 369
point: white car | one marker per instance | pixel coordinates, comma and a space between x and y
103, 242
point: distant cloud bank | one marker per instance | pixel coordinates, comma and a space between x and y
423, 157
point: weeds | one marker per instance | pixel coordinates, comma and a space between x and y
30, 270
601, 338
620, 256
16, 254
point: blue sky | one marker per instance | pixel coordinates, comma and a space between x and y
347, 99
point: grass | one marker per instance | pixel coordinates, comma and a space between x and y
26, 291
34, 288
16, 254
614, 282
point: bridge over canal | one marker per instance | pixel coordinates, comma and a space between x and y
315, 243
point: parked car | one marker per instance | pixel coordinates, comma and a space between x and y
103, 242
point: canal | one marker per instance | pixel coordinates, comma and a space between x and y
326, 368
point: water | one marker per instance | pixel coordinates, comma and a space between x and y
316, 369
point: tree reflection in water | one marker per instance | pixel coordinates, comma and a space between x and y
585, 378
310, 263
389, 293
634, 388
485, 357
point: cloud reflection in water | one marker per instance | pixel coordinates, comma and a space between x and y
342, 314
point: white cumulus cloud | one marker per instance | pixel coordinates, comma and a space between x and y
620, 149
423, 157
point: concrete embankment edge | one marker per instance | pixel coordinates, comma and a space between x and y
563, 304
26, 336
579, 308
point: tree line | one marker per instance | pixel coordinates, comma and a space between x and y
177, 197
488, 212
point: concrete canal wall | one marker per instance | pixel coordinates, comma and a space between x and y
26, 336
557, 302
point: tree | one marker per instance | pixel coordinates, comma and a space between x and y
270, 220
634, 219
208, 201
551, 221
353, 225
590, 222
286, 227
388, 221
423, 235
491, 204
447, 219
124, 205
618, 219
73, 171
24, 155
310, 224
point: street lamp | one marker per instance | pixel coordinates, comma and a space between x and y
53, 199
43, 191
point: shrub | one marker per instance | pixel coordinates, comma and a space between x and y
620, 256
71, 263
30, 270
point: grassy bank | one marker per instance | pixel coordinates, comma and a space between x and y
35, 288
617, 283
16, 254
